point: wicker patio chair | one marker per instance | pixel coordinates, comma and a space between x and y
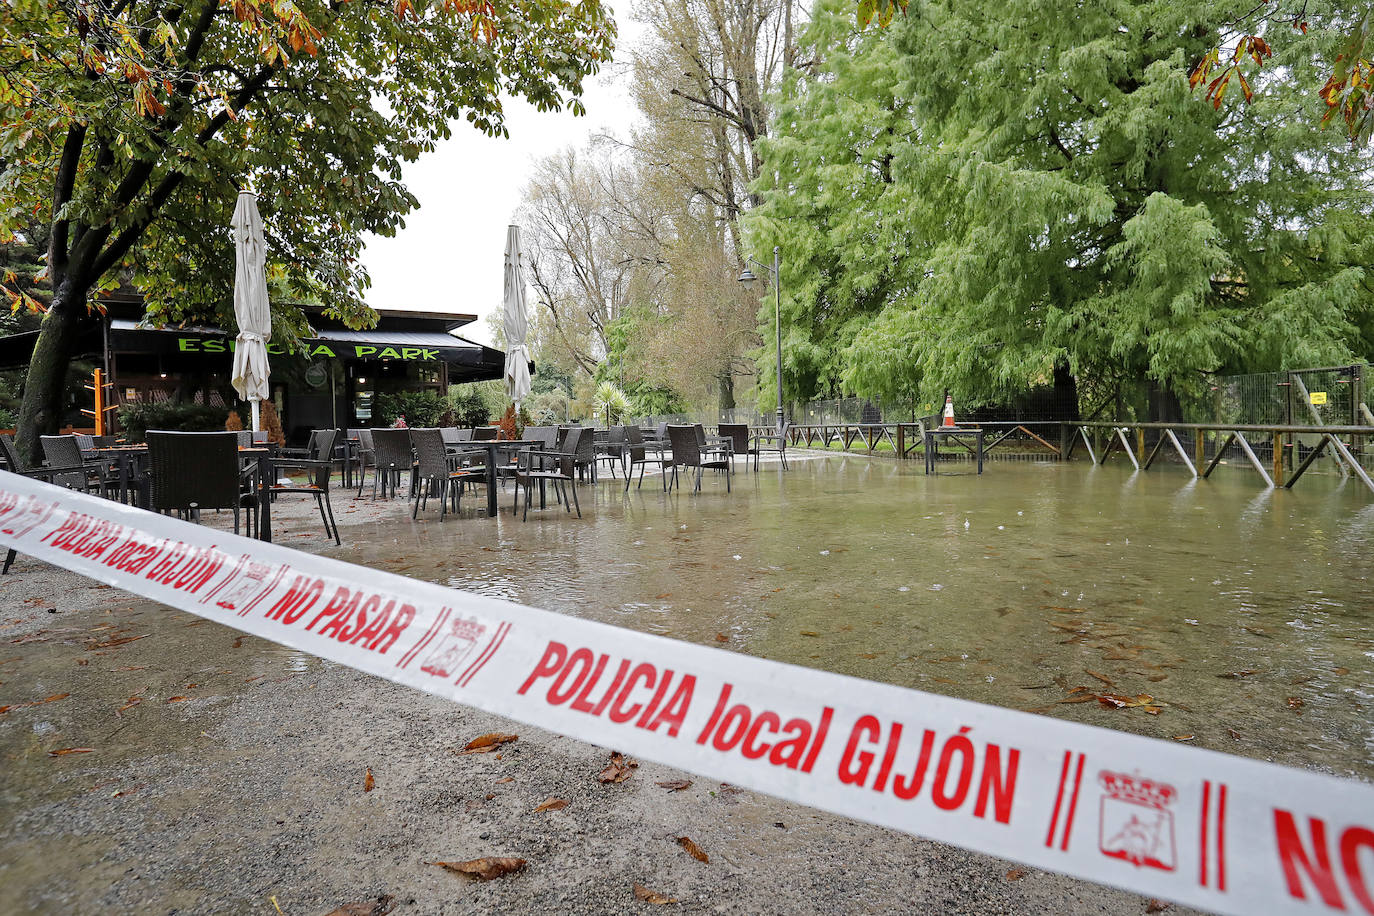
393, 455
318, 473
612, 450
366, 454
639, 452
188, 472
485, 433
65, 451
687, 453
433, 471
738, 434
558, 468
772, 442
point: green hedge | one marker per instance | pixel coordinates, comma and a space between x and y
136, 419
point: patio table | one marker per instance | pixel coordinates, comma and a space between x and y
491, 447
131, 477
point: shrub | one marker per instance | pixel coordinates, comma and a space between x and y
136, 419
420, 408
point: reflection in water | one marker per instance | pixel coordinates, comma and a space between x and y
1223, 601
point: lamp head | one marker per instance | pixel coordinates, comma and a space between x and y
747, 276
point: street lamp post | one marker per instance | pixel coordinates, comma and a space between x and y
747, 276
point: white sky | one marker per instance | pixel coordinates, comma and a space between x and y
448, 258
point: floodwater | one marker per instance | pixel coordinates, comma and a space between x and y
1243, 614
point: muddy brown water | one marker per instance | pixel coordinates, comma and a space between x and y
1245, 613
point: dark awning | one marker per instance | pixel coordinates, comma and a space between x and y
474, 361
407, 346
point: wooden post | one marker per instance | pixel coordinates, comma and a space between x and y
1140, 444
1278, 459
1199, 447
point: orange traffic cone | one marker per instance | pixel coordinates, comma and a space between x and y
949, 410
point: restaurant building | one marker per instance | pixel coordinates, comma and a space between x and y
330, 380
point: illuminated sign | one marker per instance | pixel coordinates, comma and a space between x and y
316, 350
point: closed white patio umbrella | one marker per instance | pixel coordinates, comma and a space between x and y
250, 305
516, 320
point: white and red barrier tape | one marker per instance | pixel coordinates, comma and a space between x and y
1218, 832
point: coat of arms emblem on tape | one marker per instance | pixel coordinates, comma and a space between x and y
454, 645
1136, 823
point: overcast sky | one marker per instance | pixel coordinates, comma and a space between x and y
448, 258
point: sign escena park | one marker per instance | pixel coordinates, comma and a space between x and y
316, 349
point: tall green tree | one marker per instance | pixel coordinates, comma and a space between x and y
1062, 205
128, 126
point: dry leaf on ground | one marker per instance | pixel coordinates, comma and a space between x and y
1017, 873
485, 744
721, 637
1157, 906
486, 868
619, 769
1101, 677
379, 907
368, 784
1295, 702
551, 804
505, 779
63, 752
674, 785
55, 696
1141, 701
648, 896
693, 849
176, 699
111, 643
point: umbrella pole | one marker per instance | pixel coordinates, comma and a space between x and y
256, 407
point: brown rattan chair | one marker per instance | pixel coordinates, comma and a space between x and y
687, 453
318, 472
188, 472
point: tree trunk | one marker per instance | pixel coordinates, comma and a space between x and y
1164, 404
1065, 393
41, 409
727, 390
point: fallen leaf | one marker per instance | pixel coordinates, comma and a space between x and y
176, 699
674, 785
1141, 701
619, 769
1295, 702
551, 804
693, 849
721, 637
648, 896
662, 596
505, 779
485, 744
369, 783
55, 696
868, 655
111, 643
1340, 670
1157, 906
485, 869
1101, 677
809, 633
1017, 873
1183, 737
1233, 733
62, 752
379, 907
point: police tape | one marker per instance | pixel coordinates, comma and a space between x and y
1218, 832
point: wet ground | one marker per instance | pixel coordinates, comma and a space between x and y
208, 772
